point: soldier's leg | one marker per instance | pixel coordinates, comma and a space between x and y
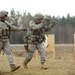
41, 51
1, 45
31, 49
8, 52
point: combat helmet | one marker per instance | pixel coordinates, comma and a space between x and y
3, 13
38, 16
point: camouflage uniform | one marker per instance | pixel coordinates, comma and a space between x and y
33, 43
4, 39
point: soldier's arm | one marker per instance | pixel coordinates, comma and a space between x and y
48, 27
52, 24
11, 26
35, 26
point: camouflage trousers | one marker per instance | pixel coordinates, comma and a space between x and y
32, 48
5, 46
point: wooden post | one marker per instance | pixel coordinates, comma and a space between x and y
51, 45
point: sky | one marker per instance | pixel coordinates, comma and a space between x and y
46, 7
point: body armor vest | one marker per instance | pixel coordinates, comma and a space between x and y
37, 36
4, 32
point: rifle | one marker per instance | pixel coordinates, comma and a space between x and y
48, 24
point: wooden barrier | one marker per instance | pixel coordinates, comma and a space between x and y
74, 43
51, 45
74, 48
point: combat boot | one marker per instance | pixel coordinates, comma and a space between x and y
25, 65
43, 67
14, 67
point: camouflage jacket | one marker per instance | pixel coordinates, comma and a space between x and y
5, 29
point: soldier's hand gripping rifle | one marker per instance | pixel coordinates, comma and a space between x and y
49, 24
53, 23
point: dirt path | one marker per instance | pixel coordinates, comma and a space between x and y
63, 66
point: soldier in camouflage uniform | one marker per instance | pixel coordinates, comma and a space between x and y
4, 39
35, 38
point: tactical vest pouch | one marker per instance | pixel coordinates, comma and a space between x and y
35, 32
36, 39
8, 32
0, 32
40, 38
4, 33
